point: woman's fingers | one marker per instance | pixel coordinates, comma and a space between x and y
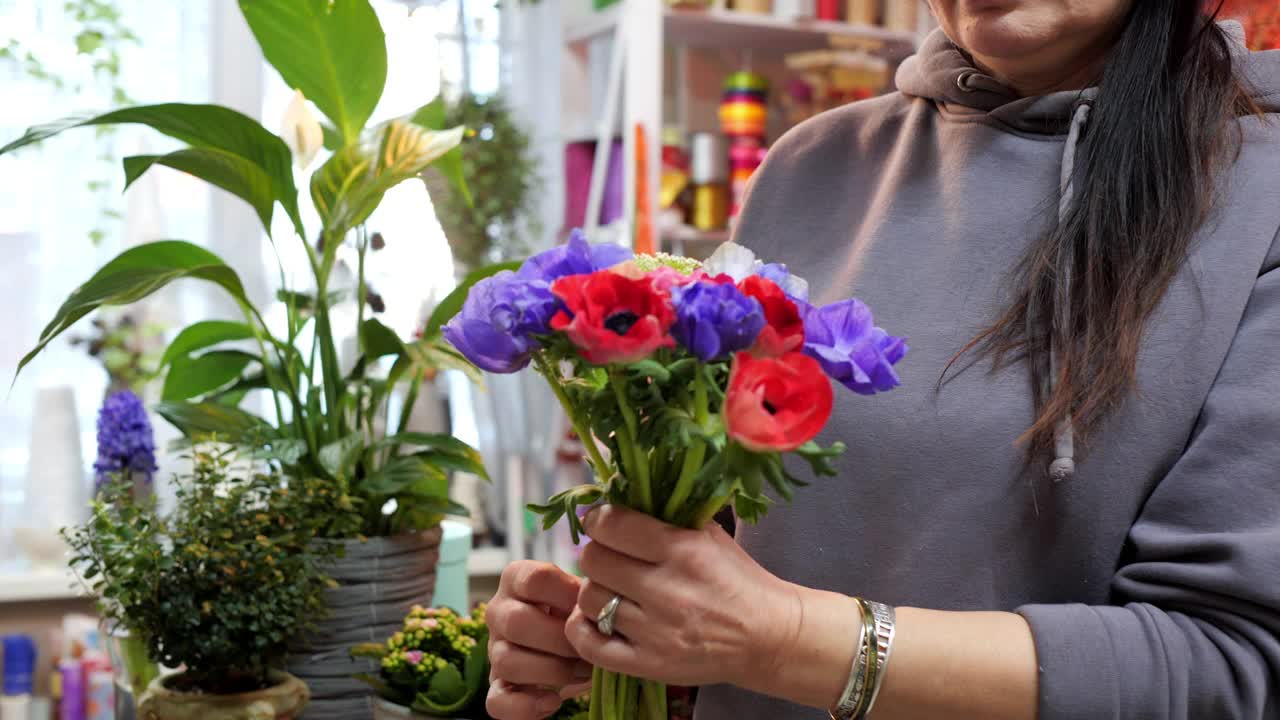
612, 652
522, 666
622, 573
516, 702
520, 623
632, 533
540, 583
629, 617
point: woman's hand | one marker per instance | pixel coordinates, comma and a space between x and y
533, 664
696, 609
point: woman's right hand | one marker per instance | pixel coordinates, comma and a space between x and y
533, 664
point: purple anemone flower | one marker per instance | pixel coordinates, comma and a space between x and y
126, 444
844, 340
794, 286
714, 320
497, 327
576, 257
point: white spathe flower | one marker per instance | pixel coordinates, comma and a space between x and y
301, 131
733, 260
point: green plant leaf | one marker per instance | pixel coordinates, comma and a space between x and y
200, 420
339, 456
133, 275
285, 450
202, 335
233, 173
189, 376
452, 166
407, 475
430, 116
452, 303
436, 445
351, 183
379, 340
334, 51
446, 688
202, 126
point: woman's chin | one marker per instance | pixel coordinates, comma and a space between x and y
1002, 35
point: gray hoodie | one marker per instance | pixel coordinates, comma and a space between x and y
1151, 576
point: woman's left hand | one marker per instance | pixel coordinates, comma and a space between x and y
695, 610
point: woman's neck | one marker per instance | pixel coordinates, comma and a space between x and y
1051, 70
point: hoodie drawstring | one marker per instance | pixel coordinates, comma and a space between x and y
1063, 466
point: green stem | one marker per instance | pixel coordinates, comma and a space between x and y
364, 422
694, 458
588, 440
655, 699
596, 707
609, 696
642, 494
627, 697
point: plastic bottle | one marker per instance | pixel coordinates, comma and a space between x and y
19, 667
73, 690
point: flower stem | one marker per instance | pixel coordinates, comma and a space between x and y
595, 709
654, 696
584, 434
627, 697
642, 495
609, 696
694, 457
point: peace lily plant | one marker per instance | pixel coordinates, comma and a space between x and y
327, 422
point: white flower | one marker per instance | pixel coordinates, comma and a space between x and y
301, 131
733, 260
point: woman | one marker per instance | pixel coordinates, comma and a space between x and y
1072, 207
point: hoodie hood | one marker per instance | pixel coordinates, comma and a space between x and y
941, 72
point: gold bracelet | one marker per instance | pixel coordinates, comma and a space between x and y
872, 671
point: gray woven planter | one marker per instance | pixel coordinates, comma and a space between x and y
379, 580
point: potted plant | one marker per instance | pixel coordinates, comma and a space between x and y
328, 422
500, 170
216, 588
437, 666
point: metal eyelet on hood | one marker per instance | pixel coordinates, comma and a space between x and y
962, 81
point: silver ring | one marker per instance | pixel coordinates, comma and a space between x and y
604, 621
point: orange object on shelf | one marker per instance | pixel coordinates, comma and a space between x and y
644, 214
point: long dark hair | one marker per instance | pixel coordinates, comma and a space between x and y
1159, 130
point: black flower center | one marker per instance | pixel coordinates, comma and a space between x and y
769, 408
621, 322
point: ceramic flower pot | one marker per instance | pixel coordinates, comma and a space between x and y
379, 580
282, 701
387, 710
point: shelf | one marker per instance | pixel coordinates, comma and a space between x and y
40, 585
738, 30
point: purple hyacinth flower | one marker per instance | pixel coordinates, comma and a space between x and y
576, 257
714, 320
795, 287
126, 444
498, 323
844, 340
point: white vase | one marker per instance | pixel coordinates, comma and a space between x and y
57, 488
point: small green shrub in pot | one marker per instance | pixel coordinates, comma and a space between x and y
217, 587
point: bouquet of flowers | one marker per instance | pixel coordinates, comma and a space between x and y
687, 382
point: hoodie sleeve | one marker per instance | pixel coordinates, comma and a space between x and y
1195, 629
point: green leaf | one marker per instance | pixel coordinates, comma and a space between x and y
407, 474
453, 167
202, 126
192, 376
351, 183
233, 173
650, 368
820, 458
452, 303
475, 669
431, 116
202, 335
455, 462
200, 420
379, 340
133, 275
447, 688
339, 456
285, 450
434, 446
334, 51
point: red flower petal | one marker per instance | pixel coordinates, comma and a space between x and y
610, 317
784, 329
776, 403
